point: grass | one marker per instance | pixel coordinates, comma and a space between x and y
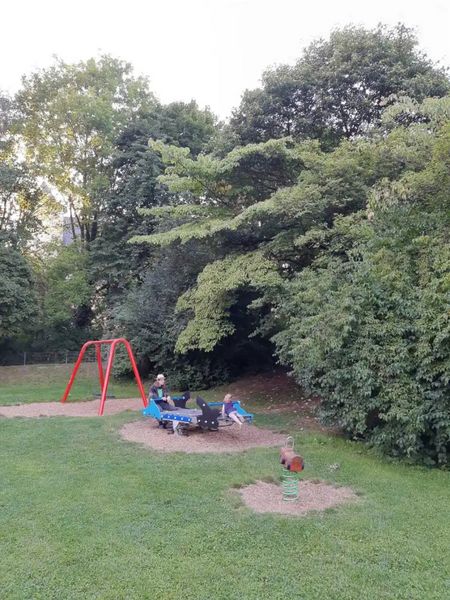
86, 515
46, 383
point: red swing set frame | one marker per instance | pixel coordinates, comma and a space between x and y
104, 377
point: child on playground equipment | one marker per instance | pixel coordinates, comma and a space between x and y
160, 393
230, 411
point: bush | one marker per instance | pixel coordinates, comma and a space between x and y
369, 331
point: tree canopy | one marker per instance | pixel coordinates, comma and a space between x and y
339, 87
69, 117
348, 269
312, 230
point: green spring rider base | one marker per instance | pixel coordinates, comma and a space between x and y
289, 484
291, 464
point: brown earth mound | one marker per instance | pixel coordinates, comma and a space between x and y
70, 409
280, 394
265, 497
227, 439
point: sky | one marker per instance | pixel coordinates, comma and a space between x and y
209, 50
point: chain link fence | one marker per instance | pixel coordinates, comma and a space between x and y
59, 357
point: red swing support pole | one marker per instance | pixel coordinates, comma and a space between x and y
104, 378
98, 354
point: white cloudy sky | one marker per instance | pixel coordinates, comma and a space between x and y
210, 50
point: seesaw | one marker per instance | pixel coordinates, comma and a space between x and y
208, 415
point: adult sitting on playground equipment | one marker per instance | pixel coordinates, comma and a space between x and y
159, 392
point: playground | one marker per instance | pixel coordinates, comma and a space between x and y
224, 301
113, 507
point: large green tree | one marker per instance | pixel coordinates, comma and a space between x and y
116, 264
339, 87
69, 117
367, 325
329, 255
17, 294
23, 202
66, 296
139, 286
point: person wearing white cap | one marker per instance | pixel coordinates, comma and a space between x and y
159, 392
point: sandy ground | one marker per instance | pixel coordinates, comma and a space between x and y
227, 439
146, 432
265, 497
70, 409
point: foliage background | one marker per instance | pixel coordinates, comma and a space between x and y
312, 229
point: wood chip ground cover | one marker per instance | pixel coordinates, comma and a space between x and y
263, 497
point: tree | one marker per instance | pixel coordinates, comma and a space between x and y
23, 203
116, 264
367, 325
260, 240
339, 87
69, 118
65, 297
17, 294
186, 125
146, 315
6, 115
346, 270
128, 276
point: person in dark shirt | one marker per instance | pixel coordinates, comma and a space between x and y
159, 392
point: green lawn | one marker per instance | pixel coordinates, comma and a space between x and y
86, 515
45, 383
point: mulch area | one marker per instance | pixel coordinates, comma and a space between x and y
69, 409
227, 439
265, 497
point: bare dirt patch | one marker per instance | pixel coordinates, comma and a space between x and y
268, 386
265, 497
227, 439
69, 409
279, 394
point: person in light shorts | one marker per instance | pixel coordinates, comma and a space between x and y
229, 410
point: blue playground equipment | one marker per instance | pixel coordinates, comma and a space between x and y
207, 416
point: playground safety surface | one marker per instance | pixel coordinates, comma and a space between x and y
263, 497
69, 409
227, 439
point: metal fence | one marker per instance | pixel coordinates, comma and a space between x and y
49, 358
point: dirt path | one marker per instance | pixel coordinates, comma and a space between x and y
70, 409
